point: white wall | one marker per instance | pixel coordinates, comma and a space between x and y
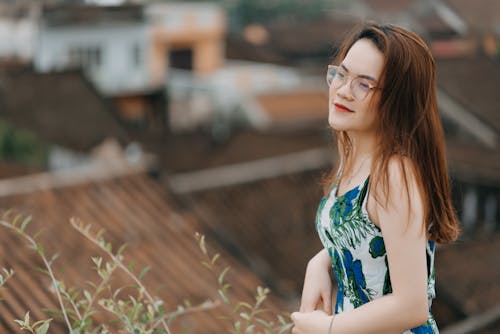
17, 38
116, 72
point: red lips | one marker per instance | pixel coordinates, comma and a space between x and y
341, 107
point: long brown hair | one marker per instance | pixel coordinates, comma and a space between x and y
408, 124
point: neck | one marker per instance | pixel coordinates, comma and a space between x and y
363, 146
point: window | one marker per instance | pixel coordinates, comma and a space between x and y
136, 55
85, 57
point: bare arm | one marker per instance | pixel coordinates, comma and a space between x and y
317, 284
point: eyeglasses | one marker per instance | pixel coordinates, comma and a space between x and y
336, 76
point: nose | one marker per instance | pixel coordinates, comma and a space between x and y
345, 90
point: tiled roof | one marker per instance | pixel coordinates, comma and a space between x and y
468, 272
309, 38
269, 223
64, 15
62, 108
473, 82
134, 210
482, 15
295, 108
197, 150
314, 38
471, 162
392, 5
11, 169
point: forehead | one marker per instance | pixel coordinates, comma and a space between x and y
364, 58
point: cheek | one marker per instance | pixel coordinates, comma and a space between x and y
331, 93
369, 114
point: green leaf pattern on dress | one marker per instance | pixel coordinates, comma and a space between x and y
358, 254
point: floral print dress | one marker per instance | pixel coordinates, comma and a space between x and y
357, 252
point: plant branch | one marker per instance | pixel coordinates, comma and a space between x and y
117, 259
39, 249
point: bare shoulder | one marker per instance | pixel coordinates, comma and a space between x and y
401, 169
400, 197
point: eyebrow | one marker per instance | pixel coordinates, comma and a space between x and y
361, 75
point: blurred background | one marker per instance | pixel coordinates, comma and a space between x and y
155, 119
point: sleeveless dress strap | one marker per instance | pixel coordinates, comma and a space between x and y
363, 194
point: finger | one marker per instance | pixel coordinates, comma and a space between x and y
294, 317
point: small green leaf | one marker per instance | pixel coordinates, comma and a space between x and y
44, 327
19, 322
16, 219
223, 296
131, 266
143, 272
221, 276
108, 247
53, 258
242, 304
39, 248
203, 247
121, 249
206, 265
6, 214
249, 329
25, 222
214, 259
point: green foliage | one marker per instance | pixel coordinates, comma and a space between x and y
244, 317
243, 12
134, 309
265, 10
38, 327
21, 146
5, 275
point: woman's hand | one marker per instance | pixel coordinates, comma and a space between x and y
317, 284
315, 322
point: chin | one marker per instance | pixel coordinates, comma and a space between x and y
337, 122
336, 126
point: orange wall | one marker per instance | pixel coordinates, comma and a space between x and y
207, 45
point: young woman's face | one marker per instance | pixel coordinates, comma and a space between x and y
346, 112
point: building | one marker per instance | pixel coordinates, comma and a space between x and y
18, 30
111, 44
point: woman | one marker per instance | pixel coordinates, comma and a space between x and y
389, 201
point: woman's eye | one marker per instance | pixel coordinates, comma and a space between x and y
341, 75
363, 85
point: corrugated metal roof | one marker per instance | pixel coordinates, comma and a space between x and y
134, 210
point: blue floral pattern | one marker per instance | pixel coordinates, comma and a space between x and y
357, 252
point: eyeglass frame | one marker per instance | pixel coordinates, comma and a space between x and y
352, 78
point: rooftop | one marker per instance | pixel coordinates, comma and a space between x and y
60, 107
135, 210
71, 14
473, 83
481, 15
